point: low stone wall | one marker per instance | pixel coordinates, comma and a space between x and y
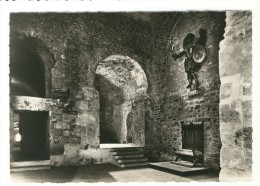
73, 156
75, 134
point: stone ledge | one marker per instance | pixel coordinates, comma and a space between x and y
191, 94
194, 93
32, 103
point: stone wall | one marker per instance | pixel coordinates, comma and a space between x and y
78, 43
173, 104
236, 97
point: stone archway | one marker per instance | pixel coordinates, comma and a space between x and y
122, 85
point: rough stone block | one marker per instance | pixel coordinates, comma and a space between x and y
229, 113
56, 83
81, 105
247, 134
57, 149
54, 140
89, 93
73, 118
94, 104
56, 73
57, 160
247, 113
232, 158
89, 117
64, 125
56, 132
226, 90
58, 93
231, 175
63, 139
54, 120
91, 142
51, 126
74, 140
71, 151
58, 125
83, 130
248, 159
247, 89
16, 125
15, 117
66, 133
76, 132
87, 104
66, 118
56, 116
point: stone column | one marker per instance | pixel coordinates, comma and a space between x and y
87, 105
235, 67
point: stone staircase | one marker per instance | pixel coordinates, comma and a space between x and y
128, 157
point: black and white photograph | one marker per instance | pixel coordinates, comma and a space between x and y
142, 95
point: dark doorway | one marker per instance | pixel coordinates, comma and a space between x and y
34, 133
27, 78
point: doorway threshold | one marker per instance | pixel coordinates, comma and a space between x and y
29, 165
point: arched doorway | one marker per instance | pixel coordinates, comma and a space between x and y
122, 85
29, 76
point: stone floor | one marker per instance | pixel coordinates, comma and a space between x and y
105, 173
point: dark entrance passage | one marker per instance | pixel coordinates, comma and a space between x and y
122, 87
34, 133
29, 76
27, 73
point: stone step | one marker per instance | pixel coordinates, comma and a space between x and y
120, 149
136, 164
179, 169
186, 163
129, 156
20, 169
132, 160
126, 152
29, 165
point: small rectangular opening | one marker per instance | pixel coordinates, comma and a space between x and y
32, 136
193, 137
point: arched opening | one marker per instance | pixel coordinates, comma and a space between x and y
122, 85
29, 76
27, 73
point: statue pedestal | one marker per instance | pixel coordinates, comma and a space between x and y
194, 93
